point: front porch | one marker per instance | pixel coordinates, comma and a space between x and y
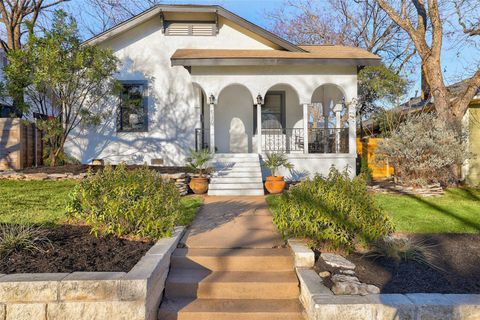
235, 122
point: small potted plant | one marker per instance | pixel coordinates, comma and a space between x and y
198, 164
276, 184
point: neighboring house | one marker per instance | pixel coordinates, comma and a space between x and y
199, 76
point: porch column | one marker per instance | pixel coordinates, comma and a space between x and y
352, 127
305, 127
259, 124
212, 123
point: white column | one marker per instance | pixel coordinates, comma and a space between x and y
305, 128
259, 128
352, 127
212, 127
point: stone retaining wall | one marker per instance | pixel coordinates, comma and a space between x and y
135, 295
321, 304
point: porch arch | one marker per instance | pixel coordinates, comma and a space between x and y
234, 119
327, 101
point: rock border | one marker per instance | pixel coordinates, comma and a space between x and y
321, 304
91, 295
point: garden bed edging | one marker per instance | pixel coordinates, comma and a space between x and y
91, 295
321, 304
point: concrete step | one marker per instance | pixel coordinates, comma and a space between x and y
228, 165
236, 156
236, 192
205, 284
233, 259
234, 160
235, 186
224, 309
227, 171
229, 179
237, 174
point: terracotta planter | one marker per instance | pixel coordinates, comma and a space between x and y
199, 185
275, 185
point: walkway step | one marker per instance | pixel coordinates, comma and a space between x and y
236, 164
230, 179
233, 259
224, 309
237, 174
205, 284
252, 156
235, 192
236, 186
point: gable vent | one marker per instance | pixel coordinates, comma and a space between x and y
190, 29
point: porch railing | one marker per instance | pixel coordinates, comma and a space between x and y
291, 140
202, 138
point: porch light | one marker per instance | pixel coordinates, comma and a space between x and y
211, 99
259, 99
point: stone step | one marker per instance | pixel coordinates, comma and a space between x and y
233, 259
205, 284
237, 192
235, 186
224, 309
229, 179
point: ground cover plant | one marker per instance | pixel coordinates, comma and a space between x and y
333, 210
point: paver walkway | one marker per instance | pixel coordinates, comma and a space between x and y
231, 264
233, 222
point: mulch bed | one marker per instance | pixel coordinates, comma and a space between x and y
73, 248
82, 168
458, 255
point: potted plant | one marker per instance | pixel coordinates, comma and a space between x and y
276, 184
198, 164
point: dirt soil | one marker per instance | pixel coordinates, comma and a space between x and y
457, 255
73, 248
81, 168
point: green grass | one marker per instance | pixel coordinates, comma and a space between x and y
458, 211
34, 202
43, 202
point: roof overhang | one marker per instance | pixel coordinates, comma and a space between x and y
272, 61
158, 9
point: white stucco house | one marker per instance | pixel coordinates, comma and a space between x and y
198, 76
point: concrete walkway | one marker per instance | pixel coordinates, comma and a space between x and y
233, 222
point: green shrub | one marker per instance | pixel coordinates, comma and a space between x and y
334, 209
122, 202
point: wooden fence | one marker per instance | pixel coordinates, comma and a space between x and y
18, 144
367, 148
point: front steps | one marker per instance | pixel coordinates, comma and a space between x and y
236, 174
221, 284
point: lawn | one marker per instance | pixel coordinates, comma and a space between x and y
458, 211
43, 202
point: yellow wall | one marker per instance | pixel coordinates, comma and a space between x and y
379, 171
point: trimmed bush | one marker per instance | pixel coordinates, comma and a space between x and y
136, 203
335, 210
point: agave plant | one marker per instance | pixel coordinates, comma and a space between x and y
198, 160
276, 161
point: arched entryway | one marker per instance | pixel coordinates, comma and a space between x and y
233, 120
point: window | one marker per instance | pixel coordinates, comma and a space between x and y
273, 111
133, 110
191, 29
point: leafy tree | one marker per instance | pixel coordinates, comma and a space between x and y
67, 82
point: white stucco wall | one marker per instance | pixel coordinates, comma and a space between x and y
174, 107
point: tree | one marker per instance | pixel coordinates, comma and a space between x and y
427, 36
66, 81
19, 18
359, 23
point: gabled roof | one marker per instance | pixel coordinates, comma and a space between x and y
158, 9
322, 54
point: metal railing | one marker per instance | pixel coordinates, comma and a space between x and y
283, 140
202, 139
330, 140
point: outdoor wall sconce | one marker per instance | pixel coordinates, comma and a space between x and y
211, 99
259, 99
